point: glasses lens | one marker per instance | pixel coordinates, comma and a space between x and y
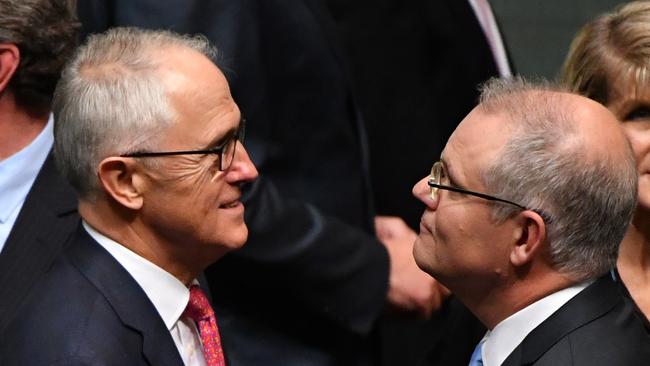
228, 152
241, 132
436, 172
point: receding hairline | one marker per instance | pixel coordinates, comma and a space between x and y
575, 113
154, 58
498, 93
128, 50
119, 67
562, 112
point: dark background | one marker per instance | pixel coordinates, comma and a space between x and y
538, 32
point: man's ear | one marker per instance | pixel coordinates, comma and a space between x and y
122, 181
9, 60
532, 236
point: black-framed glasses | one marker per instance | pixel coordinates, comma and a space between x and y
438, 173
225, 151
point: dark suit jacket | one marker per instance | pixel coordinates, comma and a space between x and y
597, 327
418, 65
46, 220
309, 284
88, 310
626, 294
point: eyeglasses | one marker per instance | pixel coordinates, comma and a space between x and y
225, 151
438, 173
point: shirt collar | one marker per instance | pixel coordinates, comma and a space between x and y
509, 333
18, 172
168, 295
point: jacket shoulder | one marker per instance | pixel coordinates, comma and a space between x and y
61, 319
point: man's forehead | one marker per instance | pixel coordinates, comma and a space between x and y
200, 95
476, 141
481, 130
185, 66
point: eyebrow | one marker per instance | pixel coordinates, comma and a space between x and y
447, 166
634, 104
220, 140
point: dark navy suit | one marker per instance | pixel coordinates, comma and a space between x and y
88, 310
598, 327
46, 221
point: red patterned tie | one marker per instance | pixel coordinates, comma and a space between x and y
199, 310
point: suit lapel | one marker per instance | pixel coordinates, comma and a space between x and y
45, 223
596, 300
126, 297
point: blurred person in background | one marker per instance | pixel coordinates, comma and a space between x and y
38, 209
609, 61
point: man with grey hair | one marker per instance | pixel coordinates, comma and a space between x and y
149, 136
38, 209
524, 215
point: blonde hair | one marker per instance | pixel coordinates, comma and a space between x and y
614, 47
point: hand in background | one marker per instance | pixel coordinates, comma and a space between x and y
410, 289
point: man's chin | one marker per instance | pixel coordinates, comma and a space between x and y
420, 257
237, 239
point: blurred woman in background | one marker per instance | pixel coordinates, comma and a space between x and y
609, 61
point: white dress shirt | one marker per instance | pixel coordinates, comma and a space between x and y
169, 295
17, 175
485, 17
510, 332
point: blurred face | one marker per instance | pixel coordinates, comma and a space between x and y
458, 242
632, 108
189, 202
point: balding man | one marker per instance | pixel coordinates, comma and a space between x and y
524, 215
149, 136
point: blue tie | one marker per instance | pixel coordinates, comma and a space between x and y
477, 357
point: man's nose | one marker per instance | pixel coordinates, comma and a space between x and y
422, 191
242, 169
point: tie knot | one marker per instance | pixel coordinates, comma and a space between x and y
198, 308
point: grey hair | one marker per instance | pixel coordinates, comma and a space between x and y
587, 202
111, 100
